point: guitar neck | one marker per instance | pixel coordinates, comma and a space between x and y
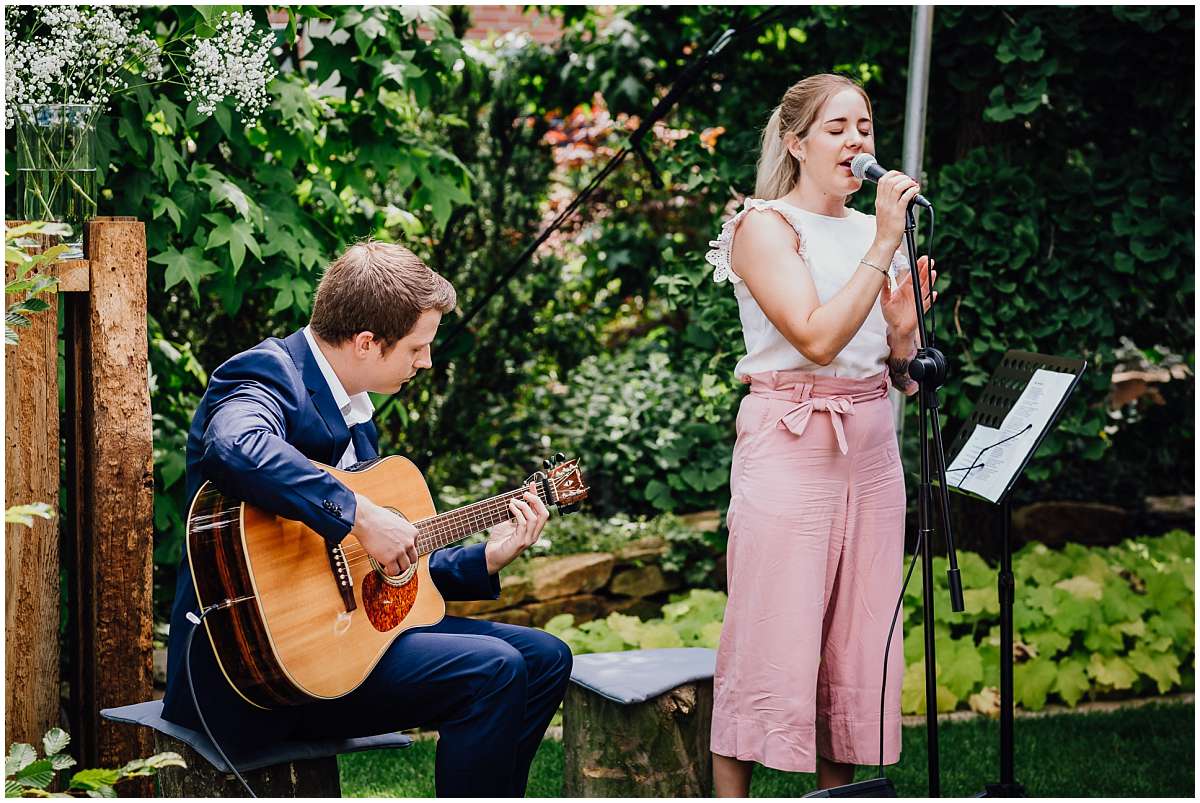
447, 528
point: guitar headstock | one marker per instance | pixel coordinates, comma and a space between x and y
564, 483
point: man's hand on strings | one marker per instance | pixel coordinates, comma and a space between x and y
508, 540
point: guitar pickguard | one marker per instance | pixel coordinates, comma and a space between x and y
387, 605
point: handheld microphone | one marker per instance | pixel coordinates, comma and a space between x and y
864, 166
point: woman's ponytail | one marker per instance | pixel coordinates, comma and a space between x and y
776, 171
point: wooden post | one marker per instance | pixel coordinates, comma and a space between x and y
659, 748
316, 777
31, 554
111, 477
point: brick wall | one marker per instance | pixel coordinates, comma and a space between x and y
503, 19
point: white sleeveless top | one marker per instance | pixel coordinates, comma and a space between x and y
832, 247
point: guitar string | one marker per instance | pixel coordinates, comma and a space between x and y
457, 524
446, 528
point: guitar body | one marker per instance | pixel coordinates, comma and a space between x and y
287, 637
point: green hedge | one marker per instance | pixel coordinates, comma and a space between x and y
1089, 622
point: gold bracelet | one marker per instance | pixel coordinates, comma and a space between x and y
869, 265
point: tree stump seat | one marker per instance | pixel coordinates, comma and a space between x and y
282, 769
636, 724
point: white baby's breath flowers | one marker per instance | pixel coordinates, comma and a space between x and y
86, 54
236, 62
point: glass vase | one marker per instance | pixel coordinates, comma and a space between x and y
56, 167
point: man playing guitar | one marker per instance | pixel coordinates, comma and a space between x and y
490, 689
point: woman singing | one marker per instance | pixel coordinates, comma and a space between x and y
816, 520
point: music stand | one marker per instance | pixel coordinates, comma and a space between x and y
1006, 427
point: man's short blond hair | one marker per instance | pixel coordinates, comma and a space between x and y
380, 288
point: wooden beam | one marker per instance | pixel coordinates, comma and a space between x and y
31, 554
116, 485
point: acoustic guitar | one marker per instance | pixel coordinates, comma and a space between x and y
296, 619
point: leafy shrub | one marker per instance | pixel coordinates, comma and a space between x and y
26, 287
689, 620
25, 775
653, 444
1088, 622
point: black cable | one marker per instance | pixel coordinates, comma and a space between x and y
187, 662
932, 309
689, 76
887, 647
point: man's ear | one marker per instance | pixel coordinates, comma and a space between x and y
362, 342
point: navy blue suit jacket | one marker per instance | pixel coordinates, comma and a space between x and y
266, 414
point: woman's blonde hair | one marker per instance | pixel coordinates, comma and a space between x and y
778, 170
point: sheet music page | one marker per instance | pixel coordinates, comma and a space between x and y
991, 457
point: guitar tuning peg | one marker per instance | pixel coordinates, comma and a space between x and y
559, 457
547, 464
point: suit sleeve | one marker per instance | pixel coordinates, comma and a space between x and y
460, 573
246, 453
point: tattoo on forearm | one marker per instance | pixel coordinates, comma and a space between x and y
898, 371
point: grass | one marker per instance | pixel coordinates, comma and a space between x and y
1136, 752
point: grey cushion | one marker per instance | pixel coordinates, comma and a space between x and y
150, 715
639, 675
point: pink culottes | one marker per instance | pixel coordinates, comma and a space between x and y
816, 550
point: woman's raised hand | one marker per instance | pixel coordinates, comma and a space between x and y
891, 201
898, 308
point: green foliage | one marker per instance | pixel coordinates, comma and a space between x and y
1147, 752
23, 285
570, 535
27, 776
1088, 621
689, 620
1097, 622
651, 441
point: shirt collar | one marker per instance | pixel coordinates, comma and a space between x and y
356, 409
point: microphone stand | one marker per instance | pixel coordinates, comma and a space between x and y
929, 369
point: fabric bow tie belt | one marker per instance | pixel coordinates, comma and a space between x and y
796, 419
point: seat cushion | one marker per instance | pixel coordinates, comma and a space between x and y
150, 715
635, 676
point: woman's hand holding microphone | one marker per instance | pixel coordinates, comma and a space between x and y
895, 192
892, 197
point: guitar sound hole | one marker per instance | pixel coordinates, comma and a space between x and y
397, 580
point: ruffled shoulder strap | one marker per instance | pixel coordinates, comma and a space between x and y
721, 255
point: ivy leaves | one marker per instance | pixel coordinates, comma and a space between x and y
188, 265
1088, 622
237, 234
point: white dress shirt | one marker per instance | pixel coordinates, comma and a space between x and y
356, 409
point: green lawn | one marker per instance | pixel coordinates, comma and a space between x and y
1142, 752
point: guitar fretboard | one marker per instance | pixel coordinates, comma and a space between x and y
455, 525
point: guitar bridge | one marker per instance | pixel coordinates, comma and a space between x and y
342, 576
